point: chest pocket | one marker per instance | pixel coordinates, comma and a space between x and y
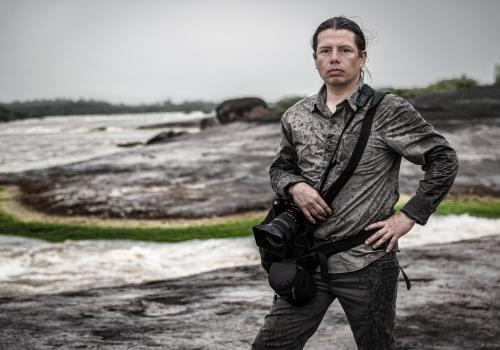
312, 146
371, 158
310, 138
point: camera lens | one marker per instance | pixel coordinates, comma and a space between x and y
275, 235
274, 241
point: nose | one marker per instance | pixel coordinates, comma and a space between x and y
335, 56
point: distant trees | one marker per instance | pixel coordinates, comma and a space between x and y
39, 108
446, 85
8, 114
286, 102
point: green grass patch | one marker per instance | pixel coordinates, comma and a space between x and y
130, 144
57, 232
480, 207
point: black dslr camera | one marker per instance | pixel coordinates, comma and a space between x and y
281, 228
284, 241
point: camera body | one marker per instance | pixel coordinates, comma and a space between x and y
285, 243
282, 234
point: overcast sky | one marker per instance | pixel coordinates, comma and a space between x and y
148, 51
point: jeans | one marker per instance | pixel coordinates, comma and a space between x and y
367, 296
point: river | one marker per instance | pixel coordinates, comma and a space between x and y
29, 266
54, 140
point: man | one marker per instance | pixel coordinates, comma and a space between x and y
363, 278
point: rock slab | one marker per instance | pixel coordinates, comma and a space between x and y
453, 304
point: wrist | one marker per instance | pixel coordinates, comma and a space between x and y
291, 189
408, 219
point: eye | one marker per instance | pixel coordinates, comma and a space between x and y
345, 50
324, 51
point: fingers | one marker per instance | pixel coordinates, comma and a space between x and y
390, 230
375, 237
322, 204
391, 244
375, 225
317, 206
308, 216
311, 204
312, 214
307, 213
317, 215
318, 211
382, 237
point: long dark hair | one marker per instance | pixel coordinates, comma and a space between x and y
341, 23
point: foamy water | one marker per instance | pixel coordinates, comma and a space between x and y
29, 266
42, 142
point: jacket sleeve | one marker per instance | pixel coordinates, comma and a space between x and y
412, 137
284, 170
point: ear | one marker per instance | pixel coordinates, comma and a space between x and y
363, 57
315, 60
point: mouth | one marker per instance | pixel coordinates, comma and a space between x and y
335, 71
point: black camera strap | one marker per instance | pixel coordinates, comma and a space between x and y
328, 249
357, 153
365, 94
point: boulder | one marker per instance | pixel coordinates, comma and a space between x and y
242, 109
465, 106
209, 123
165, 136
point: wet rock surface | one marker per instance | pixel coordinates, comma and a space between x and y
224, 169
245, 108
453, 304
165, 136
218, 171
465, 105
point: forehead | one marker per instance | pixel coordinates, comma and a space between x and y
336, 37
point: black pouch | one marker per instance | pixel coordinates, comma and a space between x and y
292, 282
267, 258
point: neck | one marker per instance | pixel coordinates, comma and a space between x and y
338, 93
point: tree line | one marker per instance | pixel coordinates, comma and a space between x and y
39, 108
61, 106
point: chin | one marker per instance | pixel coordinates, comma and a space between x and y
338, 81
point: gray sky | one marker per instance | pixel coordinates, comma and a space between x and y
147, 51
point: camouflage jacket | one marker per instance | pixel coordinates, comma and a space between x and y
309, 135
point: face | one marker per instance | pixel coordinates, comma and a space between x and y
337, 57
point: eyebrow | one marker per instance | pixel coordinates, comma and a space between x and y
340, 45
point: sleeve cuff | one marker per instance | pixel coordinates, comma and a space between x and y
418, 209
285, 182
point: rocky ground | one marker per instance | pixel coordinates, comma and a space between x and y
453, 304
224, 169
468, 105
219, 171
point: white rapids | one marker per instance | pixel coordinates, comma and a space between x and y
37, 143
29, 266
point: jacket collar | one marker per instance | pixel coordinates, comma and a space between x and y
320, 103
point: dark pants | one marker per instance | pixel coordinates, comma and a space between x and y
368, 297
